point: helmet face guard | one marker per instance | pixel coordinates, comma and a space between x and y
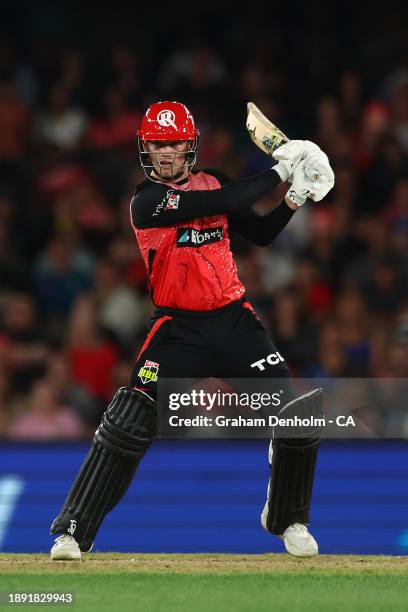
167, 122
177, 174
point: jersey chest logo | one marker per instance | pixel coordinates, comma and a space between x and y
190, 237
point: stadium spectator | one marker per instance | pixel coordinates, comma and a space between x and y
60, 274
120, 310
23, 347
45, 417
14, 123
92, 356
59, 377
116, 128
61, 124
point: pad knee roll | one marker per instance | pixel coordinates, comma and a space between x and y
128, 424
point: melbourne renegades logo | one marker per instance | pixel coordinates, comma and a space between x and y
148, 372
167, 118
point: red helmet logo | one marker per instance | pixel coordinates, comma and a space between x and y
167, 118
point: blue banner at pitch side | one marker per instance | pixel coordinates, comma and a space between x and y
207, 495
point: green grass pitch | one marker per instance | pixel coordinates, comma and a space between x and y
213, 582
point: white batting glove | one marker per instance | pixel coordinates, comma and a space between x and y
290, 154
294, 149
313, 178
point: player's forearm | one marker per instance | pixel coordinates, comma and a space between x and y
245, 192
262, 229
271, 225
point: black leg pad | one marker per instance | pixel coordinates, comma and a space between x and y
121, 440
293, 462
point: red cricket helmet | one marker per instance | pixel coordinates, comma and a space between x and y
168, 121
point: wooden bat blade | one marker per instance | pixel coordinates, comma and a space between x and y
263, 132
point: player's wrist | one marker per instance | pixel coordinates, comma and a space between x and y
284, 169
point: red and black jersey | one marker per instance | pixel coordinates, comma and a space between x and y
182, 232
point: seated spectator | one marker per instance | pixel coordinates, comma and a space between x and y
61, 273
311, 283
374, 126
381, 176
14, 123
46, 418
329, 122
353, 325
68, 393
61, 124
117, 128
126, 70
293, 334
350, 93
395, 367
89, 210
398, 217
384, 290
124, 252
331, 361
13, 273
23, 350
120, 309
122, 373
399, 111
373, 237
72, 76
220, 151
92, 357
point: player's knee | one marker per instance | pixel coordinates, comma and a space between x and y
129, 424
306, 412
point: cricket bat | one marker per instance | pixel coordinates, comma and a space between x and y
267, 136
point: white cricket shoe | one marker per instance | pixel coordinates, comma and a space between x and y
297, 539
299, 542
65, 548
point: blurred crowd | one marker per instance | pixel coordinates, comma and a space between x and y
74, 306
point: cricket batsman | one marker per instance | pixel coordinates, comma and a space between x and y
203, 325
